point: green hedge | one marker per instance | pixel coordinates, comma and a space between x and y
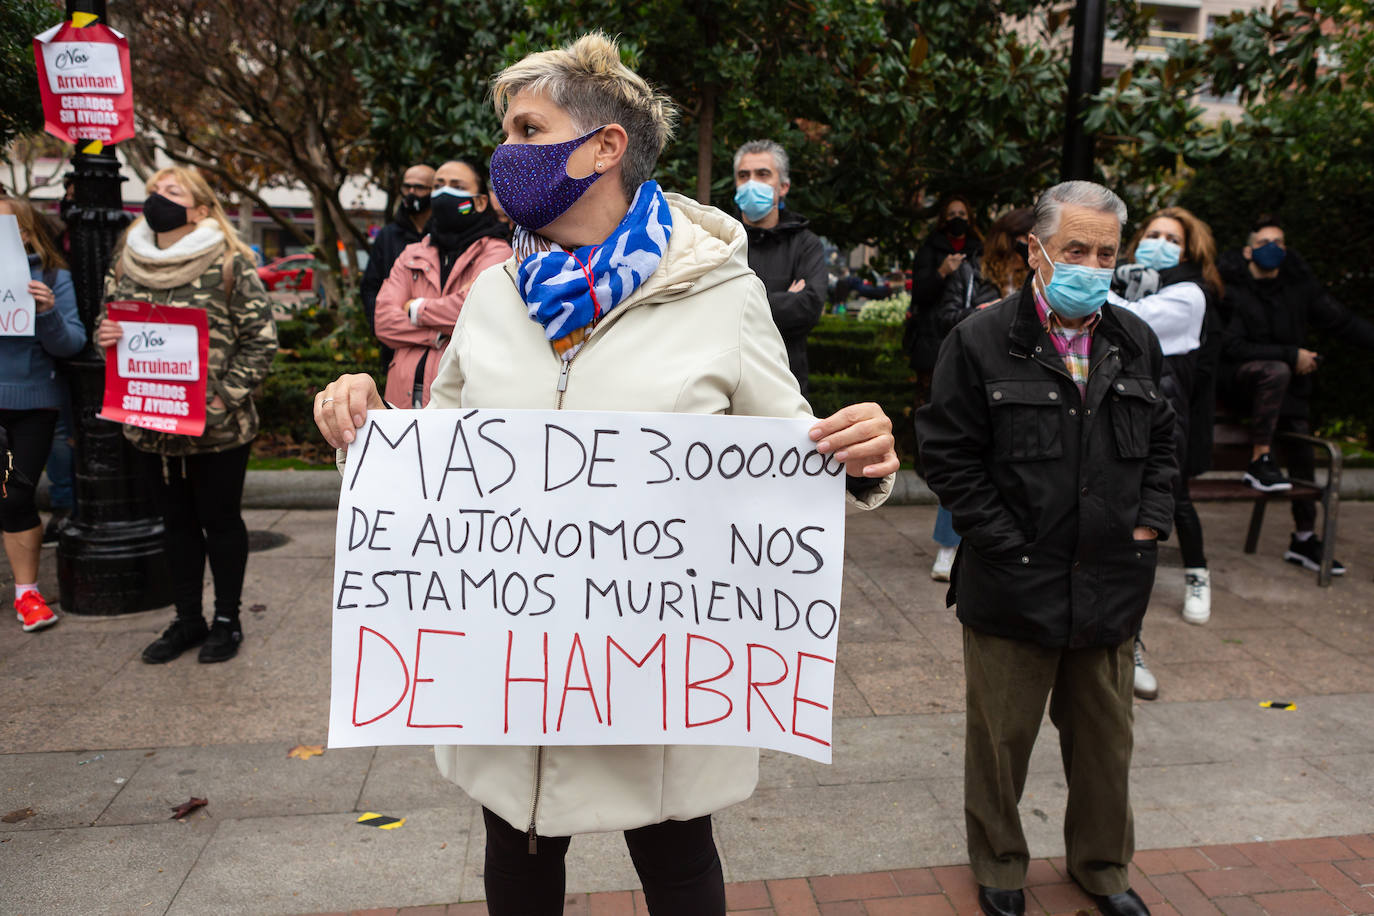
314, 347
853, 361
850, 360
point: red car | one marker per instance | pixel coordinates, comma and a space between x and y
289, 273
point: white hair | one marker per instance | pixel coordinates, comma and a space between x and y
773, 149
1077, 194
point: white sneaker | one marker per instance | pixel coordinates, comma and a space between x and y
944, 563
1197, 595
1146, 685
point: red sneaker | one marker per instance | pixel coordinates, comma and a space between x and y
34, 612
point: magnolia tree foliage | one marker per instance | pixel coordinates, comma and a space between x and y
21, 109
882, 104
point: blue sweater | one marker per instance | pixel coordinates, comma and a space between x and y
28, 372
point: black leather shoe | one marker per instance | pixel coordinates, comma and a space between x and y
184, 633
1127, 903
222, 643
996, 902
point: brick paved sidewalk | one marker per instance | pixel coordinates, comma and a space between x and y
1333, 876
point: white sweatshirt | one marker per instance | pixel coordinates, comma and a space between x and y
1174, 313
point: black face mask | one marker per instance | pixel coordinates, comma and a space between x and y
956, 227
451, 214
414, 204
1024, 251
163, 215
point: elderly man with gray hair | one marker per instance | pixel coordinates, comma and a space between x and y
1048, 440
786, 255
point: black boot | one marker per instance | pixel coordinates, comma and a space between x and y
184, 633
223, 642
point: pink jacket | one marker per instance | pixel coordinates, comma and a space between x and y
415, 275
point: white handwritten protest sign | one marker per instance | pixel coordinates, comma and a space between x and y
16, 303
563, 577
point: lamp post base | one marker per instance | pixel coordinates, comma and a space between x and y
112, 569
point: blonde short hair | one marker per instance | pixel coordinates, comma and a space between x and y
588, 80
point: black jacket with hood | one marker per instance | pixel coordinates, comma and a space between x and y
787, 252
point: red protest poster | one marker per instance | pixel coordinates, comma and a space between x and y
83, 75
155, 375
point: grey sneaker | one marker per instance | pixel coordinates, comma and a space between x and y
1197, 595
1146, 685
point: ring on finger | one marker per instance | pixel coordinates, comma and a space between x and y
325, 401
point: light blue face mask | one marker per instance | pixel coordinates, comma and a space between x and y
754, 199
1161, 254
1076, 290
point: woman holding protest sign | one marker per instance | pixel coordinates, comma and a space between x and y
30, 396
619, 297
183, 253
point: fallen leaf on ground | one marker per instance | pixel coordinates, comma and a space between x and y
306, 751
187, 807
15, 817
257, 608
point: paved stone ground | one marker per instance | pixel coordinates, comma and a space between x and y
101, 747
1287, 878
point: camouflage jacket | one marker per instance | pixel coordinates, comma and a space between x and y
243, 340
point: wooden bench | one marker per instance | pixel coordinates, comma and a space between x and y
1231, 452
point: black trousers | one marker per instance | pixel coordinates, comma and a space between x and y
1266, 382
30, 438
1178, 385
200, 499
677, 863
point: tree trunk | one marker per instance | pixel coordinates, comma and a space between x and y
706, 127
326, 251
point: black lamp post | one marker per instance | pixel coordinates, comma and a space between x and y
109, 555
1085, 71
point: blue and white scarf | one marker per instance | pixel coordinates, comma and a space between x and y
567, 290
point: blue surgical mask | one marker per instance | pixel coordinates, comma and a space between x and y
1161, 254
1268, 256
754, 199
1076, 290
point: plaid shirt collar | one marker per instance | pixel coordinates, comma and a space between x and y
1054, 325
1074, 345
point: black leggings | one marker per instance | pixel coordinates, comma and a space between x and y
30, 437
1188, 527
199, 497
676, 861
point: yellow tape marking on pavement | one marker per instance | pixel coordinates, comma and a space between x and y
381, 821
1277, 704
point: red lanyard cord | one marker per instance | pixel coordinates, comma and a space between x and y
591, 286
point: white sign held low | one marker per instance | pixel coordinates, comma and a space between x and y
17, 312
582, 578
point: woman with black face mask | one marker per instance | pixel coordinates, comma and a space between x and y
185, 254
978, 280
954, 240
420, 301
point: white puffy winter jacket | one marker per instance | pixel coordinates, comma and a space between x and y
696, 337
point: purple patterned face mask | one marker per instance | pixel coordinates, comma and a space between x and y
532, 183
